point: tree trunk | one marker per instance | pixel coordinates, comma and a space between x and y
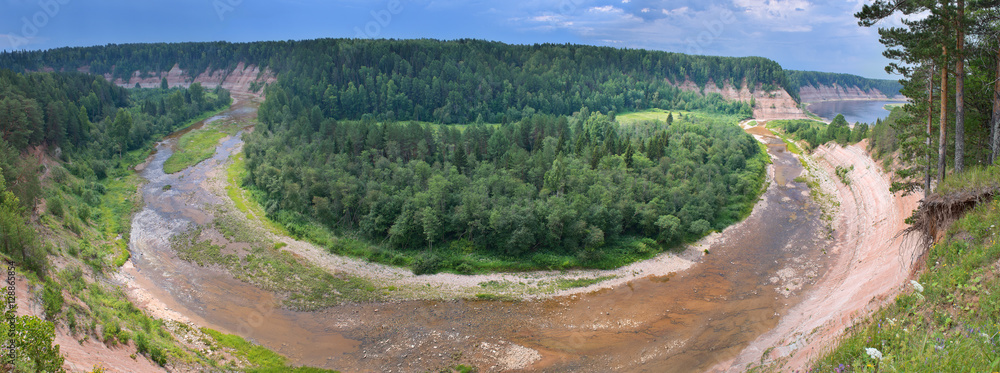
960, 90
996, 111
943, 138
930, 123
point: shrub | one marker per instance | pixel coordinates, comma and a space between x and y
55, 206
427, 263
52, 300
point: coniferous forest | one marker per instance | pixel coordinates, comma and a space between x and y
93, 124
549, 191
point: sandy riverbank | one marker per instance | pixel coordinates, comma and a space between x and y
873, 261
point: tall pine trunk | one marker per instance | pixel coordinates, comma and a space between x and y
960, 89
996, 110
943, 138
930, 123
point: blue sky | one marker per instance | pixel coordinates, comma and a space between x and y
800, 34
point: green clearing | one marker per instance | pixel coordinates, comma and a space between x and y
199, 145
192, 148
661, 115
949, 321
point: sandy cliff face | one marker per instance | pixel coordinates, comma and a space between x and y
776, 104
809, 93
237, 80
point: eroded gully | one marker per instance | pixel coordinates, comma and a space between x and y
685, 322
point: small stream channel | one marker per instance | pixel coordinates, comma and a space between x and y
685, 322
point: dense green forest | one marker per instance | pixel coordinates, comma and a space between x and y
441, 81
798, 79
551, 191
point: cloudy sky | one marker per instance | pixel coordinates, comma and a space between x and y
819, 35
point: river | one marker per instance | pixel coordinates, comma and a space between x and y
684, 322
863, 111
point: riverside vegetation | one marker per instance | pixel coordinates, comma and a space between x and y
98, 133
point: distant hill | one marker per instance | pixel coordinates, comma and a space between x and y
811, 86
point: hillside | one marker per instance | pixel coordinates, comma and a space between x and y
812, 86
945, 319
442, 81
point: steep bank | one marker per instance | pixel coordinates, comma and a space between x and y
809, 93
873, 261
239, 80
776, 104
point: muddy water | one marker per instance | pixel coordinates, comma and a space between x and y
685, 322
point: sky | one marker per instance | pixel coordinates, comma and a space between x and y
819, 35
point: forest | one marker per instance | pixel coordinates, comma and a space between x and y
440, 81
549, 191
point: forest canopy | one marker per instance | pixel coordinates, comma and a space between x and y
440, 81
551, 191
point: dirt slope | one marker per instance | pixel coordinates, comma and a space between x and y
873, 261
776, 104
237, 80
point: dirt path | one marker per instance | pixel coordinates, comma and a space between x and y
873, 261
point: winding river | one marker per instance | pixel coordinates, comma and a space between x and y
684, 322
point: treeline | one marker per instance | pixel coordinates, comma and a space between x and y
545, 187
815, 133
440, 81
85, 121
798, 79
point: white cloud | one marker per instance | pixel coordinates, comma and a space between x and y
606, 9
677, 11
774, 9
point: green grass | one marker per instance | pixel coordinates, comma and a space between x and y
661, 115
974, 179
953, 325
197, 146
564, 284
192, 148
889, 107
260, 358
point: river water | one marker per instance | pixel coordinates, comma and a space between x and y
684, 322
863, 111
